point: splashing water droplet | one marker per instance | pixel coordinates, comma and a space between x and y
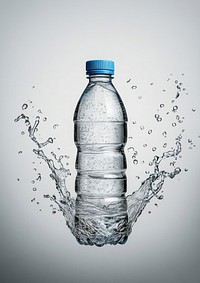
134, 87
24, 106
135, 161
55, 126
175, 108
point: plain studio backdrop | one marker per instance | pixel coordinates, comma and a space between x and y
43, 49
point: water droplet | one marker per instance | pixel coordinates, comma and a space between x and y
33, 86
165, 145
193, 110
130, 138
32, 182
38, 202
20, 152
168, 79
142, 127
129, 81
55, 126
24, 106
156, 204
145, 145
176, 81
134, 87
150, 163
161, 197
53, 211
142, 162
162, 105
50, 140
182, 74
185, 169
178, 87
40, 111
135, 161
154, 149
175, 108
164, 134
139, 97
147, 172
34, 189
32, 200
184, 89
173, 124
159, 119
149, 211
39, 178
177, 95
22, 133
157, 116
189, 141
45, 119
149, 132
130, 148
137, 177
151, 83
164, 90
18, 179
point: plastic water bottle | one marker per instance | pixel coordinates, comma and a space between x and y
100, 134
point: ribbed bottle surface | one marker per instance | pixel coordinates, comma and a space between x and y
100, 134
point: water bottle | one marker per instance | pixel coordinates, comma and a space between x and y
100, 134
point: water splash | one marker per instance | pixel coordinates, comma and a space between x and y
107, 229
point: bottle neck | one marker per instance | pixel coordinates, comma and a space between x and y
100, 78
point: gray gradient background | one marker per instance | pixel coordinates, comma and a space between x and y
46, 44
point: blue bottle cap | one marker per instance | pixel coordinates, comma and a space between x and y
94, 67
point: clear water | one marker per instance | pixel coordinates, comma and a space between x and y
108, 221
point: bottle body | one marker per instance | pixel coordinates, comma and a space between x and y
100, 134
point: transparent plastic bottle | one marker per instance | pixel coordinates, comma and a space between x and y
100, 134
